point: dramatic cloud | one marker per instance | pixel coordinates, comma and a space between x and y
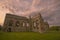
50, 9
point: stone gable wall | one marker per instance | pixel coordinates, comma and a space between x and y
15, 23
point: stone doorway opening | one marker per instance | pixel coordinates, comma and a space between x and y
9, 30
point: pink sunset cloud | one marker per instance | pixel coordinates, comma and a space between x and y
50, 9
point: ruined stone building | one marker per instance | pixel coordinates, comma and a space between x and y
34, 23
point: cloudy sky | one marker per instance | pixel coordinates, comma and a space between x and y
50, 9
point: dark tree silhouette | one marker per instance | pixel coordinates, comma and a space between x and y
0, 27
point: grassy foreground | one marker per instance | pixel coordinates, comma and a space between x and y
29, 36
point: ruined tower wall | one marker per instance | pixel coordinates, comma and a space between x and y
16, 23
35, 23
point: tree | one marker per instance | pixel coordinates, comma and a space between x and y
0, 27
55, 28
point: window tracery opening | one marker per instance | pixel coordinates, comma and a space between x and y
10, 23
17, 23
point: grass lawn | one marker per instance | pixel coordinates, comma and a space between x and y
29, 36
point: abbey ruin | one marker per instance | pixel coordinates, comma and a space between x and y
34, 23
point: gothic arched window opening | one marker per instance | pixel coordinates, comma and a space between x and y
17, 23
23, 24
27, 24
10, 23
34, 24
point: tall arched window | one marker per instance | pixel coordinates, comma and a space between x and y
17, 23
27, 24
35, 24
23, 24
10, 23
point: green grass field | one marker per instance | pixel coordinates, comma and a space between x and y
29, 36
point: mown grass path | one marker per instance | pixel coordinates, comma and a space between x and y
29, 36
